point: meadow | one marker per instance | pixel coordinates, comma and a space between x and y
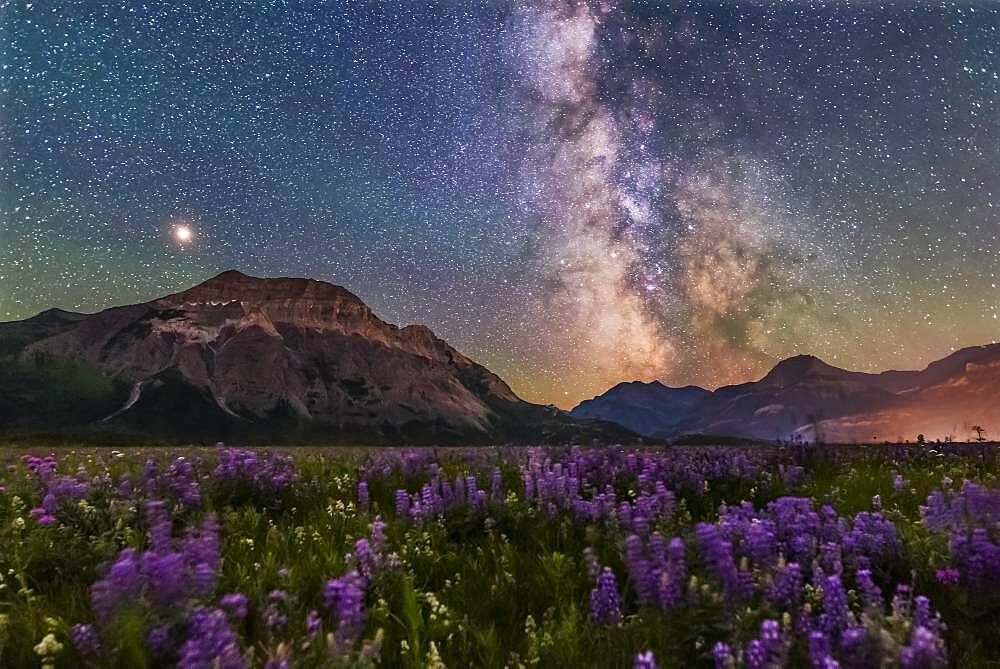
738, 556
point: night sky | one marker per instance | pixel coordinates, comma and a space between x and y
573, 194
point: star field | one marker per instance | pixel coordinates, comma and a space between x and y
572, 193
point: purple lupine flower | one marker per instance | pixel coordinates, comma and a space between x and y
275, 616
835, 612
235, 605
496, 486
793, 475
345, 597
605, 603
122, 583
870, 592
246, 471
766, 650
756, 655
871, 537
211, 643
313, 624
819, 648
673, 576
786, 589
926, 651
645, 661
978, 558
365, 557
402, 503
167, 574
640, 569
857, 648
158, 640
378, 540
718, 555
658, 548
948, 575
922, 612
363, 498
763, 543
723, 656
161, 526
85, 639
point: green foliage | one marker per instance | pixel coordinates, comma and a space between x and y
513, 591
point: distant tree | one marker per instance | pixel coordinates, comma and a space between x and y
920, 440
980, 431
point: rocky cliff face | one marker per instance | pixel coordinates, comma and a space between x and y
245, 357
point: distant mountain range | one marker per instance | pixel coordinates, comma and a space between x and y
803, 397
239, 357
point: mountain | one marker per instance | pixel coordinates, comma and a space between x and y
240, 357
803, 397
949, 402
790, 400
645, 408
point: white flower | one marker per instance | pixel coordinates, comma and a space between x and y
48, 646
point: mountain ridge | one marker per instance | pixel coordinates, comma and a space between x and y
803, 397
246, 357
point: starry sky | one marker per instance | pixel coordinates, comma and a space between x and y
572, 193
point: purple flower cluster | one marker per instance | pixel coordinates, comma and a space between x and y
768, 649
439, 498
86, 640
364, 499
766, 557
235, 605
790, 526
605, 601
166, 575
56, 492
556, 486
971, 518
657, 569
255, 473
344, 598
276, 612
211, 643
179, 482
370, 555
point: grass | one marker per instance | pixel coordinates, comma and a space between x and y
512, 590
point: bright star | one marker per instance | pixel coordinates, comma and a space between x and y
183, 233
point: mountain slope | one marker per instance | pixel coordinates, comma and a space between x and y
804, 397
646, 408
944, 409
245, 357
795, 396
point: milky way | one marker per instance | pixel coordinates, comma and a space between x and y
573, 193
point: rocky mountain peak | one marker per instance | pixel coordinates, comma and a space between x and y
245, 357
799, 367
232, 285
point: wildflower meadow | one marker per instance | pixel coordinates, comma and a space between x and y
736, 556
